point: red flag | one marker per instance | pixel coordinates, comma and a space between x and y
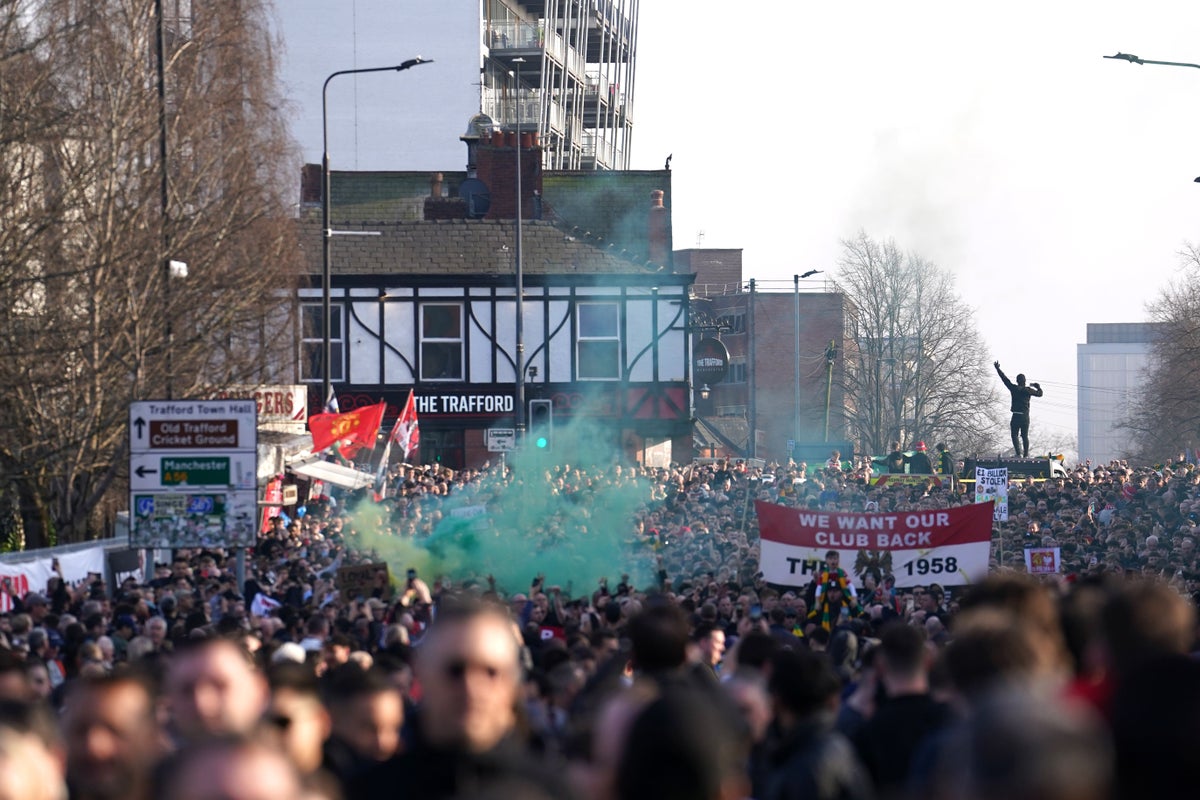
353, 430
407, 434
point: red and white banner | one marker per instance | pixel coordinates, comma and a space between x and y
1043, 560
273, 503
949, 546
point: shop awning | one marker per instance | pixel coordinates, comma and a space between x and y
346, 477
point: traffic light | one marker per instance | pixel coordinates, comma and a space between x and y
541, 424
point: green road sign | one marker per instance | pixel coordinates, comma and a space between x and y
195, 471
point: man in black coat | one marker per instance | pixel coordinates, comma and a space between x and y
1019, 425
464, 740
888, 741
810, 759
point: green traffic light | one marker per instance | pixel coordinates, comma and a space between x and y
542, 442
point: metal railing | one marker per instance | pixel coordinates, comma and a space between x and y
507, 110
515, 36
761, 286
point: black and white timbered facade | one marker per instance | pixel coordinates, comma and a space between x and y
431, 306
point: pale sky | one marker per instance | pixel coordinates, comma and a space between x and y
992, 139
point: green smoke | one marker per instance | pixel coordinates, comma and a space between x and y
574, 534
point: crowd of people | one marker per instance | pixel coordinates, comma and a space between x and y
679, 673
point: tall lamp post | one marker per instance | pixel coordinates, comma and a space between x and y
1136, 60
326, 226
519, 388
1132, 59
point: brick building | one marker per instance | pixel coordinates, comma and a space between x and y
761, 324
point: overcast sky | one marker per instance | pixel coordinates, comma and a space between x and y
992, 139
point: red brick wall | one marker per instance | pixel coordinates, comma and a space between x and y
821, 319
497, 168
773, 373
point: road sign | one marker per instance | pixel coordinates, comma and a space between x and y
189, 425
791, 445
501, 440
193, 473
154, 471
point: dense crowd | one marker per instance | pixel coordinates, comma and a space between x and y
677, 672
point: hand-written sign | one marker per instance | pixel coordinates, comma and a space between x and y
362, 580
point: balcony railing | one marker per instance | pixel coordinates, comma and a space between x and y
507, 110
515, 36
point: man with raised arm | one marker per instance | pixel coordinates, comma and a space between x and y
1020, 409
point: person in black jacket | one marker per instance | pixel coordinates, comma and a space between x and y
918, 462
464, 739
1019, 425
888, 741
810, 759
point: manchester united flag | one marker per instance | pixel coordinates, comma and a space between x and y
352, 430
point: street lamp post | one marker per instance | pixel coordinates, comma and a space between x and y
519, 388
1135, 60
1132, 59
326, 226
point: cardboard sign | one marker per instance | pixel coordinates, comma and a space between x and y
362, 581
991, 485
1043, 560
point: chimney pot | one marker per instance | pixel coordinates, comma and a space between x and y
657, 223
435, 185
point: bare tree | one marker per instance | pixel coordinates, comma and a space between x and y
915, 367
85, 235
1163, 417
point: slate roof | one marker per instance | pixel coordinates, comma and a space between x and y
465, 247
609, 209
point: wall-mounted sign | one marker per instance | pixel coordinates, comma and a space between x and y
710, 361
283, 406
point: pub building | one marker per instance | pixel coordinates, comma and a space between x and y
425, 299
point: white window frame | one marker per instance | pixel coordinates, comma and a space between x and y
337, 342
581, 339
460, 340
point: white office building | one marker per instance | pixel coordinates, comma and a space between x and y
1110, 368
561, 68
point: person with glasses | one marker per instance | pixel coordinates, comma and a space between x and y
464, 737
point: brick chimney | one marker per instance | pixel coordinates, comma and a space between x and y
438, 207
310, 184
497, 168
657, 222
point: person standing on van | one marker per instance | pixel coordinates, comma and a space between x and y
1019, 426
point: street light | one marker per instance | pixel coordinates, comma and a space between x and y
520, 270
326, 227
1135, 60
1132, 59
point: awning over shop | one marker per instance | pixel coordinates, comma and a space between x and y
345, 477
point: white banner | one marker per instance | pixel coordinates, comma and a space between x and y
992, 484
947, 546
